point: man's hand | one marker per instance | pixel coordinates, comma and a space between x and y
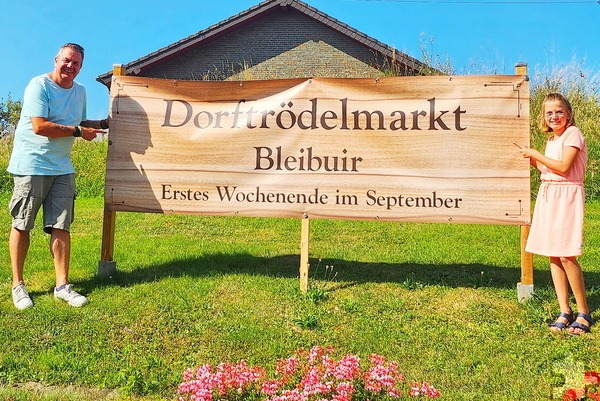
90, 134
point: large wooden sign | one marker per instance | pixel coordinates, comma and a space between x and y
425, 149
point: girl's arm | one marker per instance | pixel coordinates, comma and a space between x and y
535, 163
562, 166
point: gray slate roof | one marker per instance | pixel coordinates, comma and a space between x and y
247, 17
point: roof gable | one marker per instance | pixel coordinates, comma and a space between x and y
246, 18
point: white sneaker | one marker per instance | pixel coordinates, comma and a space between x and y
21, 297
71, 296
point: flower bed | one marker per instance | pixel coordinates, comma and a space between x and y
590, 390
308, 375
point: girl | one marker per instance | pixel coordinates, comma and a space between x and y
557, 226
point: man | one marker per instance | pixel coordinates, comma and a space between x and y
53, 114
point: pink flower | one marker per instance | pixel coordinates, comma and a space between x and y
315, 354
591, 377
287, 366
345, 388
347, 368
270, 387
594, 396
313, 375
572, 394
430, 391
424, 389
376, 359
382, 375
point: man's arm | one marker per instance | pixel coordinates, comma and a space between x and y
43, 126
97, 124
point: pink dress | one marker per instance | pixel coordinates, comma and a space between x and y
557, 226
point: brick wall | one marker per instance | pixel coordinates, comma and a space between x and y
285, 44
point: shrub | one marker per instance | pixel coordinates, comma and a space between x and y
89, 160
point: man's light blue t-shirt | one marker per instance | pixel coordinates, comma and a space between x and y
36, 154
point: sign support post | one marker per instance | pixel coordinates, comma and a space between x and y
304, 259
525, 286
107, 266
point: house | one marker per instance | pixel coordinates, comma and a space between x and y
274, 39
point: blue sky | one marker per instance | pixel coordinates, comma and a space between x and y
478, 36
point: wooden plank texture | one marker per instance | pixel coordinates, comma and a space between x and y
423, 149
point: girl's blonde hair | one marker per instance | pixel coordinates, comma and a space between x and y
556, 97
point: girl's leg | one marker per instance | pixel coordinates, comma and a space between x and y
561, 286
577, 283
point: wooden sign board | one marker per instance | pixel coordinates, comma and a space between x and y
422, 149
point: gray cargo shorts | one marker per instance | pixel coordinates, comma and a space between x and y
55, 193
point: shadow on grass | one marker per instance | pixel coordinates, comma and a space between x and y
345, 273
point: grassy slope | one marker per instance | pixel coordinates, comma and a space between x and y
440, 299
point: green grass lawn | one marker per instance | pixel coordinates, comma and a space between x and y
439, 299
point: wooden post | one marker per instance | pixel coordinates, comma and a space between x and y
526, 258
521, 69
525, 286
304, 261
119, 69
107, 266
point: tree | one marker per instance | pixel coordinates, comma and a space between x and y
10, 110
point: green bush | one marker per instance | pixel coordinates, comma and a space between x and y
6, 182
89, 159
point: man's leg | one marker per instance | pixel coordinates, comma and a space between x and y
58, 216
18, 245
60, 248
